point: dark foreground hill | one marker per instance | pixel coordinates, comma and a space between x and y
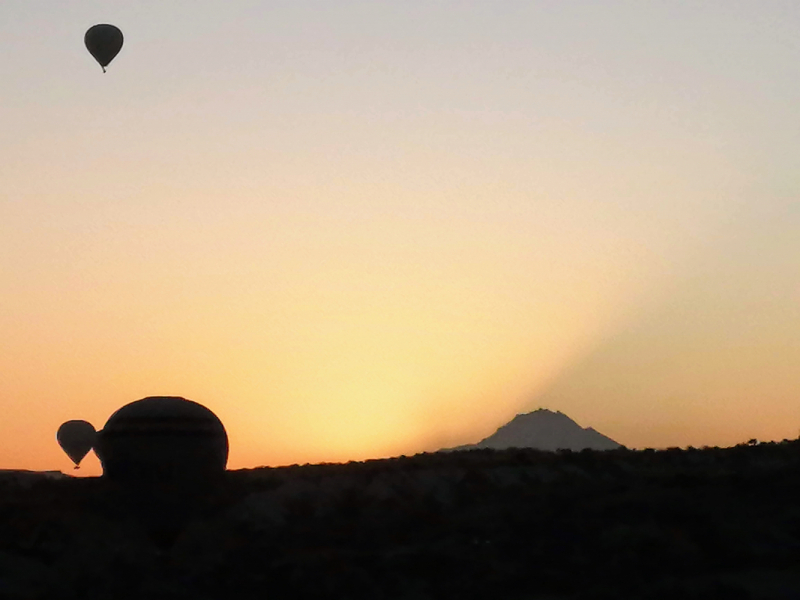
518, 524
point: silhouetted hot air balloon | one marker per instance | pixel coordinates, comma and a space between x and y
76, 438
162, 438
103, 42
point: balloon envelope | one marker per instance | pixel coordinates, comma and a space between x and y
103, 42
76, 438
163, 438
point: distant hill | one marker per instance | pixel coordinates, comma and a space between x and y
544, 429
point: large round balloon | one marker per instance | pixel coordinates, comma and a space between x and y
103, 42
76, 438
162, 438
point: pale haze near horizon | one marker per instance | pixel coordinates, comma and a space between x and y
363, 229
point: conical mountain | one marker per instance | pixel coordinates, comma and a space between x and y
544, 429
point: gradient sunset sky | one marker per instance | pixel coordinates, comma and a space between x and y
360, 229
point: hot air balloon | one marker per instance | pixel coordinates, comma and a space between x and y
163, 438
76, 438
103, 42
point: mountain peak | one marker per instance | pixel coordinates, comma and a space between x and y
545, 429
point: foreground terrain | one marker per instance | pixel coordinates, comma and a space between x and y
512, 524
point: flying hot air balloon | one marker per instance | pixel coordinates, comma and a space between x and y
103, 42
76, 438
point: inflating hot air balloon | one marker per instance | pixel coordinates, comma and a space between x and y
103, 42
165, 438
76, 438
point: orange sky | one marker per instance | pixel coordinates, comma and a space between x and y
362, 231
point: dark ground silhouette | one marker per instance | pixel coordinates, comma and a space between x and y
512, 524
